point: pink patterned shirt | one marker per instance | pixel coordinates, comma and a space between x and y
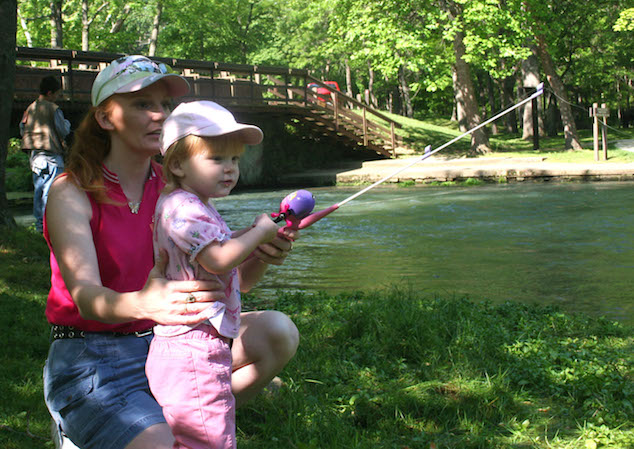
184, 226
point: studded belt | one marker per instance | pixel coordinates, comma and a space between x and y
59, 332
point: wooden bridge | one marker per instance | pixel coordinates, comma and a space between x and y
238, 87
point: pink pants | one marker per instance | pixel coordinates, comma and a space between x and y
190, 377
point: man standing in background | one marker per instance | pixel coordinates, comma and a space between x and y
43, 129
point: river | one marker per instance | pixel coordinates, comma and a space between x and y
570, 244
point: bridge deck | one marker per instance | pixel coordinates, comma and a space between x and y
240, 88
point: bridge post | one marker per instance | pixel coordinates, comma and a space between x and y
365, 129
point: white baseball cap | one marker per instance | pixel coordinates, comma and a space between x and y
133, 73
205, 119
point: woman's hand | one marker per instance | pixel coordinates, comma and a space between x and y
275, 252
176, 302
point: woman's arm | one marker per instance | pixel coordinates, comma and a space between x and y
68, 215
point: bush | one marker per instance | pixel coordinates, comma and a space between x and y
18, 173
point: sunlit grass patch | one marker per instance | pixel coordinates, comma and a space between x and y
417, 134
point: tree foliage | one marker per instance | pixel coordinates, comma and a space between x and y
399, 51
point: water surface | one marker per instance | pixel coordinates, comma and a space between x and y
570, 244
567, 244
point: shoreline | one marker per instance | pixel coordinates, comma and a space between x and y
497, 170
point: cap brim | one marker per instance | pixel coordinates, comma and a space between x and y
177, 86
249, 134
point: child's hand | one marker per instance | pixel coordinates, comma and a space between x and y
266, 226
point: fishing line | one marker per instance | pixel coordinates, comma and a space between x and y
296, 208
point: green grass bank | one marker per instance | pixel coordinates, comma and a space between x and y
378, 369
417, 134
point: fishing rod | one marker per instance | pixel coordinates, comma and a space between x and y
296, 207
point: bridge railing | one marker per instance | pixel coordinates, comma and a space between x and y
232, 85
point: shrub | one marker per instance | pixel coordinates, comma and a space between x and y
18, 173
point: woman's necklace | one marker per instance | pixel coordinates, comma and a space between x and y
134, 206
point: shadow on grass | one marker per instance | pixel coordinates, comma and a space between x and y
24, 282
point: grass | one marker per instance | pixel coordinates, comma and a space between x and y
392, 369
24, 283
437, 131
378, 369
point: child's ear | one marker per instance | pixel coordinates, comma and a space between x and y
103, 120
176, 169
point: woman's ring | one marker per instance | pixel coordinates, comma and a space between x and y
190, 298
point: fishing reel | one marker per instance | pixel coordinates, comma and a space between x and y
294, 207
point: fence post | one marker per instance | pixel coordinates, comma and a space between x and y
595, 130
335, 101
604, 130
598, 113
365, 129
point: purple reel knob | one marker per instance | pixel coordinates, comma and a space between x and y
298, 204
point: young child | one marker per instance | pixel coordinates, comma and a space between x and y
189, 367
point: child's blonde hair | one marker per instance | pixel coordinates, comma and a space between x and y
189, 146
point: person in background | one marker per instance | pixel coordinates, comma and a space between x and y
43, 129
105, 295
189, 367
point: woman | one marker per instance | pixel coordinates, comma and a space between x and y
104, 299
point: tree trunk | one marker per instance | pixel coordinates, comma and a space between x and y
510, 119
466, 100
406, 96
244, 47
373, 100
8, 28
118, 24
530, 79
570, 129
492, 102
458, 114
155, 29
85, 26
553, 122
57, 30
348, 79
25, 30
390, 96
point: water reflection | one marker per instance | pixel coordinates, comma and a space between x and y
570, 244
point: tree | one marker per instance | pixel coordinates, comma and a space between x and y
403, 53
155, 28
466, 102
8, 29
57, 24
530, 79
570, 128
87, 20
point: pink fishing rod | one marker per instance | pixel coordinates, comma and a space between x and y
296, 208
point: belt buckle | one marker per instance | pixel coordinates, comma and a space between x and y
144, 333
